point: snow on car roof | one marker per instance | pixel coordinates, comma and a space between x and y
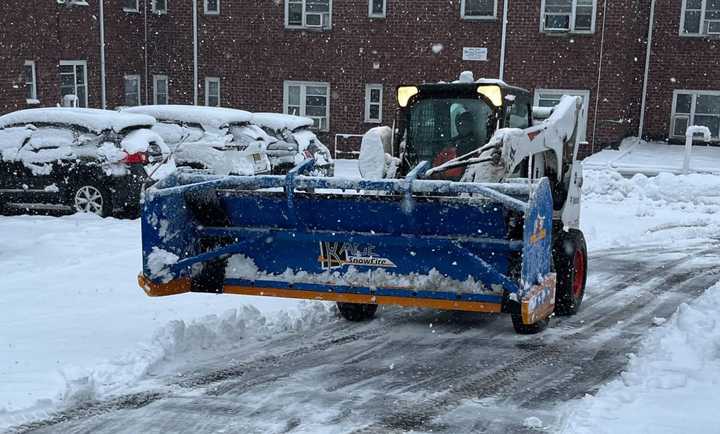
92, 119
279, 121
214, 117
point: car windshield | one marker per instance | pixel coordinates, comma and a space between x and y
442, 129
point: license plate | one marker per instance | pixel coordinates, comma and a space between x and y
257, 158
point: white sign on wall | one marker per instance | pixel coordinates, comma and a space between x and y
477, 54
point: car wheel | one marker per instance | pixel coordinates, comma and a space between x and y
93, 199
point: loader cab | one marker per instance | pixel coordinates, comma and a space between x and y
439, 122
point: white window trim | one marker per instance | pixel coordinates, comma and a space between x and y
75, 63
207, 11
304, 14
478, 17
157, 11
303, 85
157, 78
371, 14
584, 93
572, 20
368, 89
703, 33
33, 99
693, 106
136, 77
209, 80
136, 9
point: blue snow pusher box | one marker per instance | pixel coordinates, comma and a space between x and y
409, 242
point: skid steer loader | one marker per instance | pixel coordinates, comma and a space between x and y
479, 213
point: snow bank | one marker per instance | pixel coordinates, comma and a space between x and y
374, 153
92, 119
669, 386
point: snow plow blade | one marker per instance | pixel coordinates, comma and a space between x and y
408, 242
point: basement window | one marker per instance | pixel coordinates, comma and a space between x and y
377, 8
308, 14
211, 7
551, 98
700, 18
212, 91
159, 7
132, 90
373, 103
568, 16
30, 81
130, 6
695, 107
478, 9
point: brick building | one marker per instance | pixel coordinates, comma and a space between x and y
339, 61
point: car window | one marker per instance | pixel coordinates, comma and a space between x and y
171, 133
51, 137
11, 139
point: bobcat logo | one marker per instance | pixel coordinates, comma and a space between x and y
539, 232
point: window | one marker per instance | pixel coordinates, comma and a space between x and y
309, 99
377, 8
132, 90
373, 103
73, 80
160, 89
212, 7
159, 6
478, 9
695, 108
700, 17
551, 98
30, 81
308, 14
130, 5
577, 16
212, 91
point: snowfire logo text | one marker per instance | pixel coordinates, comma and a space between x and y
336, 255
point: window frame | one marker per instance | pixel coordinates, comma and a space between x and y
136, 77
368, 103
136, 9
156, 78
207, 11
303, 99
75, 64
304, 25
209, 80
571, 24
157, 11
464, 16
372, 14
703, 32
583, 93
693, 106
34, 96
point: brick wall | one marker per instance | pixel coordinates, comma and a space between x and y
252, 52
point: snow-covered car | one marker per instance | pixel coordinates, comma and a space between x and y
221, 140
296, 142
86, 160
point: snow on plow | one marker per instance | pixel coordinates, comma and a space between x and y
362, 243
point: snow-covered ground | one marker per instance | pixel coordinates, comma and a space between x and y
75, 326
650, 158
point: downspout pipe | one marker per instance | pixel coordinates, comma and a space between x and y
103, 91
648, 56
503, 40
599, 77
195, 52
147, 74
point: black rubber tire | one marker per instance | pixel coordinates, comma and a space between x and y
569, 248
357, 312
524, 329
106, 208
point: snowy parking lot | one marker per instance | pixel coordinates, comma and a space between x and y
78, 332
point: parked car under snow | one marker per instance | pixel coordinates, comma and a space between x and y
85, 160
220, 140
296, 142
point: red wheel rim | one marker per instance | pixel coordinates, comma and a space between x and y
579, 277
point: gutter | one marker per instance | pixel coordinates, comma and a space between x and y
195, 52
648, 56
503, 41
103, 93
